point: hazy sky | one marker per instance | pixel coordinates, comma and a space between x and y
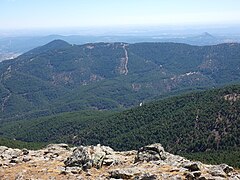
17, 14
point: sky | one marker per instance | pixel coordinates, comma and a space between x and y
27, 14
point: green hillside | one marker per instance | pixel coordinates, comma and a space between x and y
195, 122
60, 77
20, 144
200, 125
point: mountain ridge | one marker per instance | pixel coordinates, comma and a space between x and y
11, 46
120, 75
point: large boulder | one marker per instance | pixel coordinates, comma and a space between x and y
9, 153
222, 170
153, 152
2, 149
192, 166
9, 156
86, 157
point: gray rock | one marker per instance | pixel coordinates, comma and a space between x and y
111, 162
107, 150
15, 160
86, 157
214, 178
57, 146
9, 153
177, 177
197, 174
159, 162
53, 151
74, 170
26, 159
220, 170
2, 149
151, 162
183, 170
129, 153
175, 160
170, 177
202, 178
62, 170
234, 177
227, 169
25, 151
98, 156
127, 173
152, 152
189, 176
79, 157
146, 176
70, 170
191, 166
217, 172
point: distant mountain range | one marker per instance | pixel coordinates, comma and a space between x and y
61, 77
10, 47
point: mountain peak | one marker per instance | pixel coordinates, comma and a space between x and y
53, 45
206, 34
57, 44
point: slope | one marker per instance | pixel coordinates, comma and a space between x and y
194, 122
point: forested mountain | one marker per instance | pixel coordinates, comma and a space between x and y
206, 121
60, 77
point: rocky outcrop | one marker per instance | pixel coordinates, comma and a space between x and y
152, 152
87, 157
59, 161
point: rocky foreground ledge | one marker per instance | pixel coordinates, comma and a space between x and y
59, 161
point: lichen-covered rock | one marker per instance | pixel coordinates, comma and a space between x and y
80, 157
174, 160
152, 152
86, 157
110, 160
